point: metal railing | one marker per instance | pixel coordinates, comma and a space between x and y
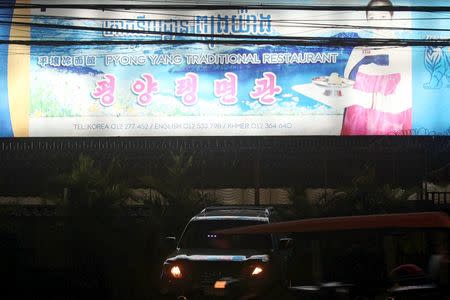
438, 197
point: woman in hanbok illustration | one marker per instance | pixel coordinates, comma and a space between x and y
383, 77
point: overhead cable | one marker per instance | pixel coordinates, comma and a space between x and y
306, 41
421, 8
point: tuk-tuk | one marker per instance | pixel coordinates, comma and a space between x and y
388, 256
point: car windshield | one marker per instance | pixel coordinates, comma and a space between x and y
201, 234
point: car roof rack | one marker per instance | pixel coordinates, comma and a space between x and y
266, 209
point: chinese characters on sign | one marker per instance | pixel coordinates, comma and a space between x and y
187, 89
67, 61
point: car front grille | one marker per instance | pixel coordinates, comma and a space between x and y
208, 278
210, 273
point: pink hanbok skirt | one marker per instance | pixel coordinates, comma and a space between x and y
366, 121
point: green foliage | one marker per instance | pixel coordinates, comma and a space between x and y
302, 207
174, 183
176, 186
107, 250
364, 196
92, 189
367, 196
440, 176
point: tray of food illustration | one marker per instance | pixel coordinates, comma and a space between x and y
333, 81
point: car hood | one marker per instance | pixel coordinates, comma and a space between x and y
219, 255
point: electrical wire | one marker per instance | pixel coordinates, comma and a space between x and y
100, 50
315, 18
301, 24
342, 19
225, 39
277, 23
47, 39
306, 41
196, 7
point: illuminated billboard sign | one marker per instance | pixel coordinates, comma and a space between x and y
169, 73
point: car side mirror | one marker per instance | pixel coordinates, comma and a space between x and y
171, 242
286, 243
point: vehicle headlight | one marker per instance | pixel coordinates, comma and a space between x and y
256, 271
175, 271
